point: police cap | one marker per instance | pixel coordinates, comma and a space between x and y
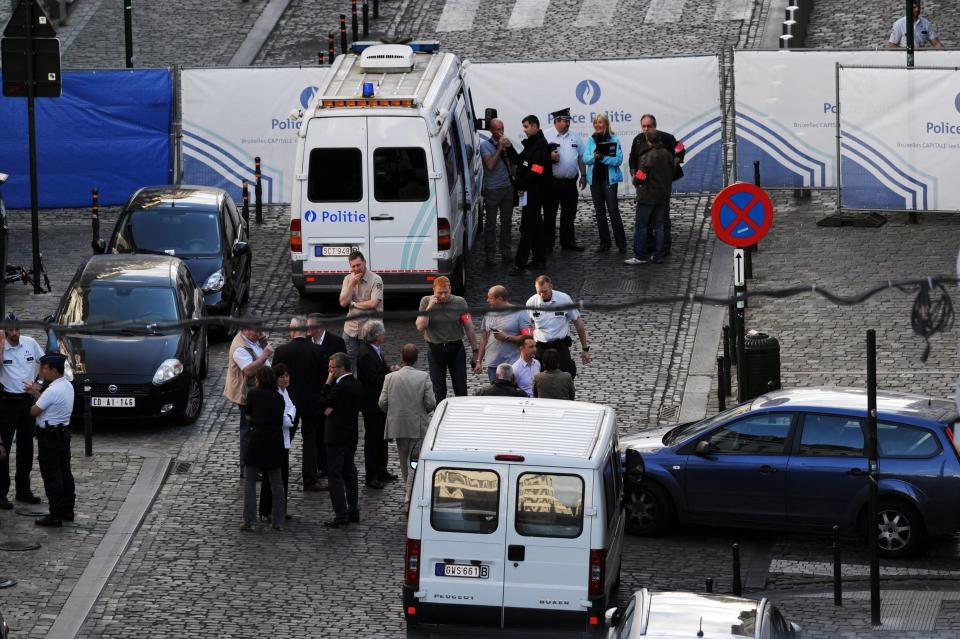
562, 114
53, 359
12, 321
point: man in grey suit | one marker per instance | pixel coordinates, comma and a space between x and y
408, 400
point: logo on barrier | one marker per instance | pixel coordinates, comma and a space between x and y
588, 92
310, 216
307, 95
956, 102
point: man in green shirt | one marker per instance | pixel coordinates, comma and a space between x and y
446, 319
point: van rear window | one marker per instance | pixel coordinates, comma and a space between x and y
549, 505
400, 175
465, 500
335, 175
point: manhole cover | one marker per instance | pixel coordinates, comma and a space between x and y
18, 545
669, 412
182, 467
32, 511
6, 582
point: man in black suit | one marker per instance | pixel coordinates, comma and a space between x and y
329, 344
371, 370
307, 363
341, 397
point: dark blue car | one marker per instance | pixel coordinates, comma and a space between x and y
795, 459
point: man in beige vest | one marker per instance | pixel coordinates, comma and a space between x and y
408, 400
249, 352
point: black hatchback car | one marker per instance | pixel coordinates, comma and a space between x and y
201, 226
139, 363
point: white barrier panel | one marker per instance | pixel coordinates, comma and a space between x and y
683, 93
899, 138
231, 116
786, 110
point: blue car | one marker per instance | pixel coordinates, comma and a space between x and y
796, 460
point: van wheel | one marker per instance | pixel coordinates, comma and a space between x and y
649, 510
899, 528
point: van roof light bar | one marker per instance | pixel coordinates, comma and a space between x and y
425, 46
359, 46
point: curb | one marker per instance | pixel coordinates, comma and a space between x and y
257, 37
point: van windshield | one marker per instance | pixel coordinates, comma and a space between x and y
465, 500
335, 175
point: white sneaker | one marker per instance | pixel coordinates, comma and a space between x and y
634, 261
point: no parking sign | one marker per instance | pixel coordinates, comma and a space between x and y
742, 214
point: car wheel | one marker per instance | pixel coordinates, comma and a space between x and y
649, 510
899, 528
191, 412
247, 278
204, 361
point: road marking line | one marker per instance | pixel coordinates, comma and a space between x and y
664, 11
733, 10
458, 15
597, 12
528, 13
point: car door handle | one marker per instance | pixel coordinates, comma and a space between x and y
767, 468
856, 472
381, 217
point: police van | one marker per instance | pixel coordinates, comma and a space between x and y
387, 163
516, 515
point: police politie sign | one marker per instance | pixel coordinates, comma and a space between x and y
742, 214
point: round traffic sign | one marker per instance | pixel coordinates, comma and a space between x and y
742, 214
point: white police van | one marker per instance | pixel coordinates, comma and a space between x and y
387, 163
516, 515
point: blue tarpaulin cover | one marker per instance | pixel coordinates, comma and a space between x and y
109, 130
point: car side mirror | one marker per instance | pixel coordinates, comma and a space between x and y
703, 448
415, 456
794, 630
635, 465
240, 248
4, 177
98, 246
611, 617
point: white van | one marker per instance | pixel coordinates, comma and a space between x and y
388, 163
516, 516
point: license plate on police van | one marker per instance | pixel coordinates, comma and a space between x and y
113, 402
463, 570
334, 251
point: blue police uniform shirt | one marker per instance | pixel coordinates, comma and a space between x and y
498, 177
56, 402
923, 32
570, 148
20, 364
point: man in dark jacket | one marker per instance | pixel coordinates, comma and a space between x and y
341, 398
307, 363
534, 182
653, 179
329, 343
669, 142
503, 385
371, 369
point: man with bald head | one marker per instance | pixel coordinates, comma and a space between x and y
499, 160
502, 329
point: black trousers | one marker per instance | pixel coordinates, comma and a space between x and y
563, 349
16, 423
53, 456
314, 450
374, 445
448, 356
564, 195
531, 233
342, 477
266, 493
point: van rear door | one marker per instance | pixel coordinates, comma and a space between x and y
403, 213
334, 213
548, 546
462, 545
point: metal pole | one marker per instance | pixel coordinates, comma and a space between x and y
709, 585
909, 18
837, 587
87, 418
726, 361
366, 19
838, 176
343, 33
721, 386
354, 27
376, 8
95, 217
872, 456
258, 191
737, 583
331, 47
320, 58
32, 134
246, 206
128, 30
732, 312
741, 340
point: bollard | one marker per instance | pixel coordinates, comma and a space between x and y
366, 19
331, 47
376, 8
343, 33
737, 584
258, 191
709, 585
721, 386
320, 58
354, 27
95, 217
726, 361
732, 321
837, 588
87, 418
756, 172
740, 336
246, 206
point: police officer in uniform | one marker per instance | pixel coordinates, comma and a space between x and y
551, 326
534, 180
52, 411
19, 360
569, 176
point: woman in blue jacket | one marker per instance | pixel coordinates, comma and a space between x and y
604, 176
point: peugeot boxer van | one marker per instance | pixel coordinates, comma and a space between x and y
387, 163
516, 515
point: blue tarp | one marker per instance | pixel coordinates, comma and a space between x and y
109, 130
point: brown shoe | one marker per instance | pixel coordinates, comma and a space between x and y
316, 487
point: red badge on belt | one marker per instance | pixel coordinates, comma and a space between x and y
536, 168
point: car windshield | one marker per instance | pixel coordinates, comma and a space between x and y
129, 308
686, 431
172, 231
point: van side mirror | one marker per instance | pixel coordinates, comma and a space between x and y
98, 246
240, 248
703, 448
488, 116
611, 617
635, 465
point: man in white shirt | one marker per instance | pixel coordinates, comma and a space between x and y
249, 352
569, 173
19, 361
924, 34
52, 411
527, 366
551, 327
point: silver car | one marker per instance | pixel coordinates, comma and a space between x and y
688, 614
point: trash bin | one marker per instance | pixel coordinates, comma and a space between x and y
761, 353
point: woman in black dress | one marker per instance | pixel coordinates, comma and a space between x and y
265, 408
